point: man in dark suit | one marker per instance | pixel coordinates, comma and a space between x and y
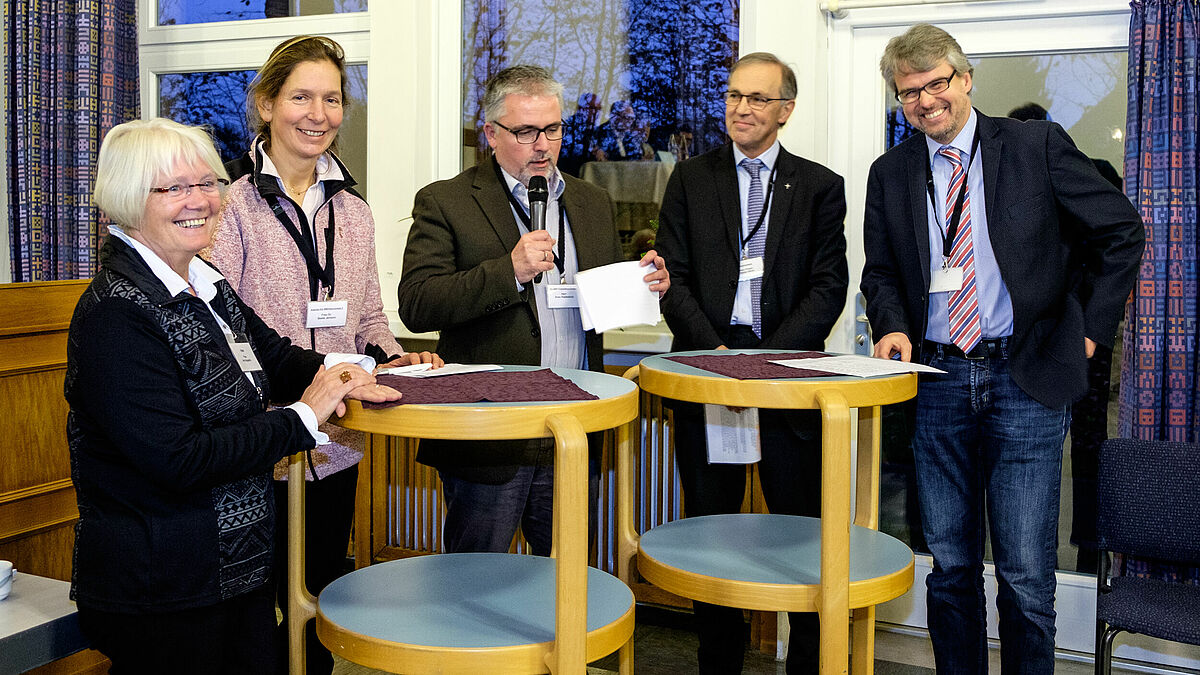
757, 249
997, 253
475, 271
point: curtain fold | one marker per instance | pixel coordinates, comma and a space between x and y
1159, 366
70, 71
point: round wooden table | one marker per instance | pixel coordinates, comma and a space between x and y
517, 613
777, 562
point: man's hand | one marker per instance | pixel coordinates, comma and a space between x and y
894, 343
660, 278
533, 254
1089, 347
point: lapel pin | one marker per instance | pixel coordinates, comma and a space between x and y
787, 186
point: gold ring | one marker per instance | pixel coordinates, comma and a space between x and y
545, 256
345, 376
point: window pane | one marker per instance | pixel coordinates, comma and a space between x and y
642, 79
218, 99
171, 12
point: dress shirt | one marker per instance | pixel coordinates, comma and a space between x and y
203, 280
743, 311
327, 169
995, 305
563, 343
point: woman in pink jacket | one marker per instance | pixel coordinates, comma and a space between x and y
297, 243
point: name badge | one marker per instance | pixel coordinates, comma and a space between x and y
946, 279
562, 296
750, 268
325, 314
244, 355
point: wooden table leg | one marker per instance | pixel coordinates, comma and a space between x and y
862, 660
570, 547
302, 606
833, 605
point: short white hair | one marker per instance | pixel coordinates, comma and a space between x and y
136, 154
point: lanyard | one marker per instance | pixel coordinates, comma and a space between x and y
956, 212
306, 242
762, 215
521, 213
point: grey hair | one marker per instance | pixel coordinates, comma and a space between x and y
525, 80
788, 76
921, 49
135, 154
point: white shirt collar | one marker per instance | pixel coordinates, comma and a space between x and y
557, 185
327, 169
768, 157
201, 277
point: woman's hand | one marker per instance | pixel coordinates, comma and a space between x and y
329, 387
413, 358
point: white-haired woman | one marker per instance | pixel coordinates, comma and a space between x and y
168, 379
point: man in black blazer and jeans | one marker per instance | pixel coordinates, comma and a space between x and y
758, 259
997, 253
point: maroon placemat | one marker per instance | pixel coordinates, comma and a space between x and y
753, 366
497, 387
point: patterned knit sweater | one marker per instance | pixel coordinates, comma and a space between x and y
171, 445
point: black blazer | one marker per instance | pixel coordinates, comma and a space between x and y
1067, 242
458, 279
804, 264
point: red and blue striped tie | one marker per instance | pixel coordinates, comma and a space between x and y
965, 331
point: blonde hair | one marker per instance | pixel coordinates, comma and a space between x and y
135, 154
278, 68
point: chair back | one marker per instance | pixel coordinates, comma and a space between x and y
1147, 497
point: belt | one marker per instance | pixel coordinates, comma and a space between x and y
986, 349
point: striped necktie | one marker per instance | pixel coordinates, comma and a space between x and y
965, 331
758, 243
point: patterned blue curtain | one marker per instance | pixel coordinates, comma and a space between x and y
1160, 367
70, 73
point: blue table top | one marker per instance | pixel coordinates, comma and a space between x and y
509, 600
767, 548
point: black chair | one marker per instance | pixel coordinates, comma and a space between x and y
1148, 507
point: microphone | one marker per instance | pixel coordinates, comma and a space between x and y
539, 194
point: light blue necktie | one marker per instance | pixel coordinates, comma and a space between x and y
758, 243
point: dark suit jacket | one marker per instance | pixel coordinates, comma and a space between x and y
699, 235
458, 279
1068, 245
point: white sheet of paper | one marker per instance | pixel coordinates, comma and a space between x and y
424, 370
858, 365
615, 296
732, 437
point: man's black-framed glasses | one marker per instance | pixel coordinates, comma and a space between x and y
179, 191
529, 135
932, 87
755, 101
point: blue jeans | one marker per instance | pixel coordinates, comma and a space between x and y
981, 442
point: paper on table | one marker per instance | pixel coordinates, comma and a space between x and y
615, 296
858, 365
732, 437
424, 369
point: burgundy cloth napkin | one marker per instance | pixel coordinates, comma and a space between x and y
753, 366
497, 387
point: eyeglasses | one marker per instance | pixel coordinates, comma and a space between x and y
528, 135
179, 191
934, 87
733, 99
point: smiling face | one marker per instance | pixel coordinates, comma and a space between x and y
755, 130
178, 228
524, 160
305, 116
939, 116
